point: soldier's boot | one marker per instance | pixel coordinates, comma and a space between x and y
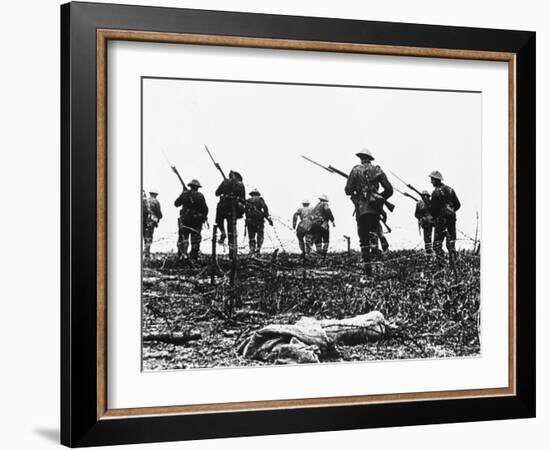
259, 243
222, 237
368, 269
251, 246
428, 248
325, 249
302, 247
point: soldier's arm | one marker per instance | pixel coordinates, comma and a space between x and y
330, 216
221, 188
350, 185
159, 212
265, 208
295, 218
456, 201
417, 212
386, 185
202, 205
179, 201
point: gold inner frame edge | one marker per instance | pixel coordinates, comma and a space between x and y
104, 35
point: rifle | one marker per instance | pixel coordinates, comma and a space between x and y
333, 169
410, 186
174, 169
185, 188
406, 194
216, 165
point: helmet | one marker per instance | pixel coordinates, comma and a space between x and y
425, 192
255, 191
236, 174
365, 153
194, 182
153, 191
305, 201
436, 174
323, 198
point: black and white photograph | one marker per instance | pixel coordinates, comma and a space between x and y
304, 223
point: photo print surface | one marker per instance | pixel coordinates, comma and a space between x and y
303, 224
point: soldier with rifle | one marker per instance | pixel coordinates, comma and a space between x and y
363, 186
193, 215
303, 227
153, 217
231, 206
321, 215
256, 212
444, 205
425, 220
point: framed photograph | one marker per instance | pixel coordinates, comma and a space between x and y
277, 224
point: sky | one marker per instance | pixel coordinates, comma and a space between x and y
262, 129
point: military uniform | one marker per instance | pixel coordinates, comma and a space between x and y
321, 215
153, 218
193, 214
443, 206
229, 189
303, 228
425, 222
364, 181
256, 212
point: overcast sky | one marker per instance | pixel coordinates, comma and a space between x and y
261, 130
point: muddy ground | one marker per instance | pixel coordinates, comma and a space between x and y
436, 309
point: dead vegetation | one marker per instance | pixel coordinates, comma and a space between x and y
188, 322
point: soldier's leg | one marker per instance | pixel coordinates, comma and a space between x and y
185, 241
451, 239
308, 242
196, 238
427, 232
232, 233
439, 235
251, 228
373, 225
260, 237
384, 242
301, 235
147, 239
362, 232
220, 219
325, 239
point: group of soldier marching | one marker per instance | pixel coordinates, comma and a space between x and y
367, 186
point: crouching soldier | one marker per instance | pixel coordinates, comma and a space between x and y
321, 215
301, 222
425, 220
154, 214
444, 204
256, 212
231, 207
193, 214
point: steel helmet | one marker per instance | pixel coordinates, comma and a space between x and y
236, 174
436, 174
195, 182
323, 198
305, 201
153, 190
365, 153
425, 192
255, 191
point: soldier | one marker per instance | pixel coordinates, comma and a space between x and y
256, 212
444, 205
153, 219
193, 214
303, 227
232, 195
363, 183
425, 220
321, 215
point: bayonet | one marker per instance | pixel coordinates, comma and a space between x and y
410, 186
217, 165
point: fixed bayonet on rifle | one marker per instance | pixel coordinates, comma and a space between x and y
406, 194
410, 186
174, 170
333, 169
179, 177
217, 165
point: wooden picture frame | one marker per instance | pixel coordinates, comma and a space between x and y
85, 416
